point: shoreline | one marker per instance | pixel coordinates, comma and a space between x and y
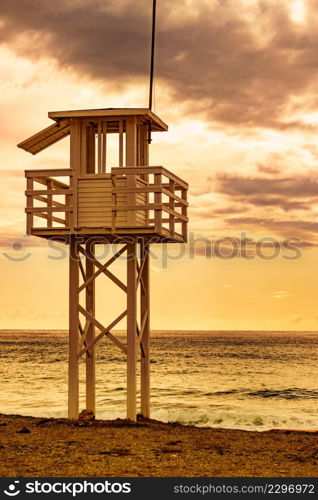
57, 447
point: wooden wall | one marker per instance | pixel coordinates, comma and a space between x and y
94, 198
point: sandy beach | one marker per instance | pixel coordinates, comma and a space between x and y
57, 447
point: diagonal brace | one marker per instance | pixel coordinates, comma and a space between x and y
104, 331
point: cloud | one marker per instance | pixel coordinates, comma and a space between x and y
267, 248
288, 228
235, 63
15, 243
299, 186
265, 169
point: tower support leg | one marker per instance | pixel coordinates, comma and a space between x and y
131, 330
145, 332
73, 373
90, 336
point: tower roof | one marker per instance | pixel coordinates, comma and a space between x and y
54, 133
157, 125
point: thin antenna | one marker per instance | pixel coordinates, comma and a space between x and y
152, 57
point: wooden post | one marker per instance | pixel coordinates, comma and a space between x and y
121, 142
104, 146
90, 354
73, 373
90, 156
184, 212
158, 201
171, 205
50, 203
131, 330
76, 162
29, 186
145, 162
145, 322
131, 161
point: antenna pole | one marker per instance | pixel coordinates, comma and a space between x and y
152, 58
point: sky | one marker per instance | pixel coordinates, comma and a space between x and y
236, 81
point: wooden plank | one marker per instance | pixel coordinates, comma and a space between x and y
165, 220
48, 209
53, 203
91, 206
56, 184
56, 172
138, 170
165, 208
94, 206
54, 219
94, 196
144, 189
95, 176
92, 183
128, 208
41, 192
177, 198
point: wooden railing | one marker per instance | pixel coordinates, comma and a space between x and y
166, 198
154, 198
44, 189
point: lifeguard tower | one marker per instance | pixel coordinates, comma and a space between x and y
95, 201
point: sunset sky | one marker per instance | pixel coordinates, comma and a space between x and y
236, 80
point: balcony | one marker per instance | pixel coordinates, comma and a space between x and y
130, 201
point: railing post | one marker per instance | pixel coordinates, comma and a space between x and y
114, 203
158, 201
72, 220
29, 186
49, 203
171, 206
184, 211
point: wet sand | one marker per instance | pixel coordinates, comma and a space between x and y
58, 447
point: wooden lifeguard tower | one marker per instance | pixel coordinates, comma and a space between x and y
95, 202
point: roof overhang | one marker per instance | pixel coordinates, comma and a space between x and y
157, 125
46, 137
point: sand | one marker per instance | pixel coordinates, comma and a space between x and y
57, 447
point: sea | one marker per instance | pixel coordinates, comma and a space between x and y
250, 380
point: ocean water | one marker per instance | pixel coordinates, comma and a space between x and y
243, 380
